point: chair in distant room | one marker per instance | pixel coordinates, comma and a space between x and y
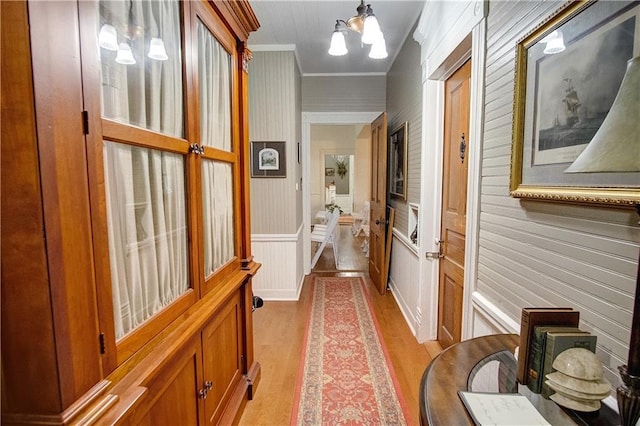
361, 225
325, 235
361, 219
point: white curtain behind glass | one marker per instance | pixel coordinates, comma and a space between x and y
217, 199
215, 128
147, 231
148, 93
214, 77
145, 188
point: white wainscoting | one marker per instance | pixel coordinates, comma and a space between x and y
403, 278
281, 275
487, 318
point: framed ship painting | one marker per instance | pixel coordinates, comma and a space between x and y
569, 71
398, 162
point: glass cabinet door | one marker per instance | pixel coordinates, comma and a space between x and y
144, 160
141, 64
215, 82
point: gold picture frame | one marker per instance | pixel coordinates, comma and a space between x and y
561, 99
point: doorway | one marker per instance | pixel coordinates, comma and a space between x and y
312, 198
339, 180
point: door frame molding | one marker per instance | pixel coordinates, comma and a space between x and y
309, 118
444, 50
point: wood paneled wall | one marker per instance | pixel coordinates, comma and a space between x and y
541, 253
404, 103
274, 115
362, 93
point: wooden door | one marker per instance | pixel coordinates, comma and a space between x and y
377, 218
454, 202
223, 351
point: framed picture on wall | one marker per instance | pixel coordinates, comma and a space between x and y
398, 162
268, 159
569, 76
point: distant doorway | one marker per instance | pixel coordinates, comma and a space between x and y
313, 161
338, 173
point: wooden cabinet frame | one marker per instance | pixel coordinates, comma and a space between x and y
54, 248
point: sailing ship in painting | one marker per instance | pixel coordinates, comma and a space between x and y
575, 126
572, 102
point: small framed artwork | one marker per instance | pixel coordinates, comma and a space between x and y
398, 162
329, 171
569, 76
268, 159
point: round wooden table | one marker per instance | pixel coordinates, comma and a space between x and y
460, 368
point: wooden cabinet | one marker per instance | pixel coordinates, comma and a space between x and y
126, 257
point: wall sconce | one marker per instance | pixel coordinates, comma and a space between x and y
364, 23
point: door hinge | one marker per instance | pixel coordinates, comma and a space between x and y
103, 348
85, 122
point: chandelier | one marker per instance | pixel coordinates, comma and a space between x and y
131, 32
365, 24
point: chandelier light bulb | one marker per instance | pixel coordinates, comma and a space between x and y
125, 56
371, 32
108, 37
157, 50
338, 46
378, 49
555, 43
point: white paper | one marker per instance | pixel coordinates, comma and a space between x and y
502, 409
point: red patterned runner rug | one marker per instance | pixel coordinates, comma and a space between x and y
345, 376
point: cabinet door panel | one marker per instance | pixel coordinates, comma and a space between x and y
178, 389
222, 357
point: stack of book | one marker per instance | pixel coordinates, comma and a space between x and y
544, 334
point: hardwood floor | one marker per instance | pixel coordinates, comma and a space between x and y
350, 254
279, 329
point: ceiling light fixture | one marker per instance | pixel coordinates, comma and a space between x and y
554, 43
132, 33
364, 23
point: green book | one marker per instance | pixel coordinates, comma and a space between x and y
558, 342
532, 317
537, 349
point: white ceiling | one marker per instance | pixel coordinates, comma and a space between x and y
306, 27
